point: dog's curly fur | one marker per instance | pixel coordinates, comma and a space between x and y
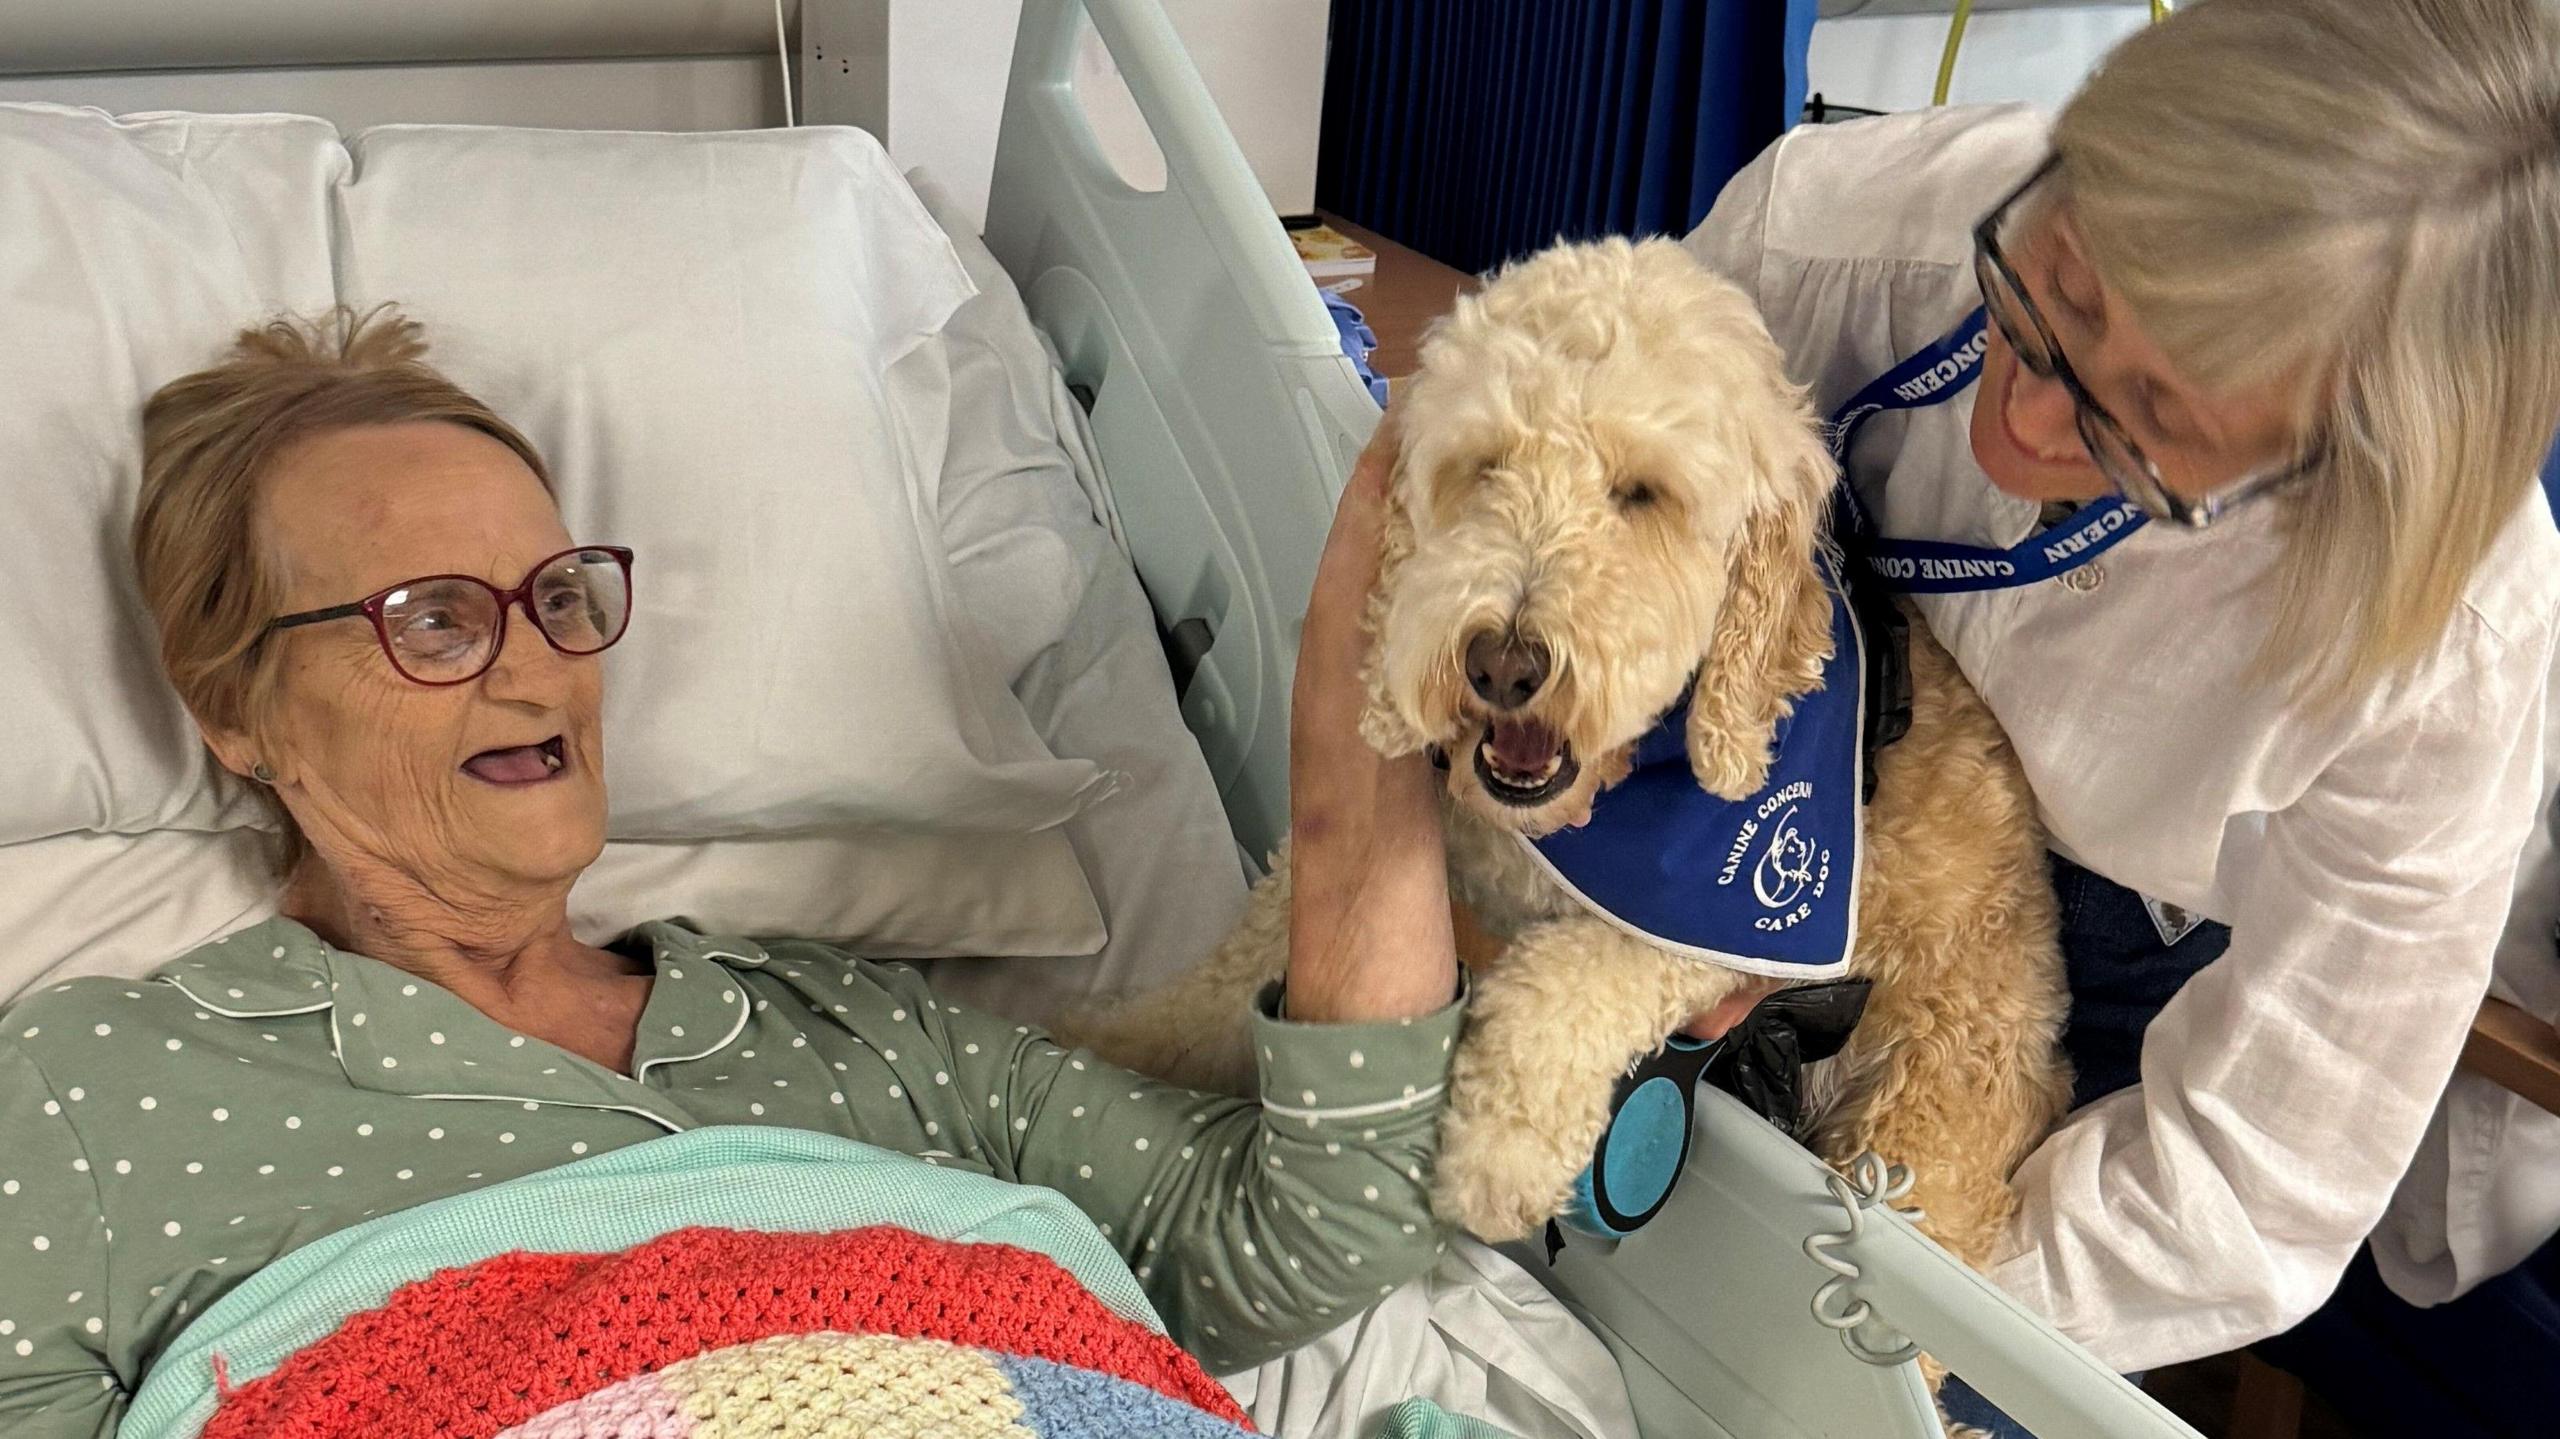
1602, 453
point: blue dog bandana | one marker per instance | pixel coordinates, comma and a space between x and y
1767, 885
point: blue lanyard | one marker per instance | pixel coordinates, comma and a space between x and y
1937, 567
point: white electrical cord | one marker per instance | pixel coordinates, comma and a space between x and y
1870, 1181
782, 53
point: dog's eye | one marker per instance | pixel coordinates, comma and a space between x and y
1634, 495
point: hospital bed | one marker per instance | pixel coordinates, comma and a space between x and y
1208, 415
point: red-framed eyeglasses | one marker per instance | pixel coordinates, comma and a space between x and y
448, 629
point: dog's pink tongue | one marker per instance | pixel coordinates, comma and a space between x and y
1523, 746
509, 766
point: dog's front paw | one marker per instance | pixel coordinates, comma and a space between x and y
1551, 1029
1510, 1146
1501, 1182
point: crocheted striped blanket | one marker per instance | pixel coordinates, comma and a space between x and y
866, 1332
725, 1282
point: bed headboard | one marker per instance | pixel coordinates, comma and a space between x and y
109, 35
660, 65
617, 64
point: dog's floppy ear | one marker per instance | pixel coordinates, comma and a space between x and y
1772, 636
1387, 731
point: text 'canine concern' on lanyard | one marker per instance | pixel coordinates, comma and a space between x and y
1939, 567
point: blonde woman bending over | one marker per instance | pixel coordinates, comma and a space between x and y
2224, 393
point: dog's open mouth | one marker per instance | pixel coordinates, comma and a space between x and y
1522, 762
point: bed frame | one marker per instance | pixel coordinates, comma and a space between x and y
1226, 415
1211, 372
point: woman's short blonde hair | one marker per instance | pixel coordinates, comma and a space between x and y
208, 441
2359, 200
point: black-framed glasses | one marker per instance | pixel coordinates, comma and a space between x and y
448, 629
2110, 447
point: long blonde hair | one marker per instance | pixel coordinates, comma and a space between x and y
2361, 199
208, 442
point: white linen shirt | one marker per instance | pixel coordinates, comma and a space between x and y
2366, 859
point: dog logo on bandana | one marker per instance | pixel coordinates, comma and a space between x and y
1785, 870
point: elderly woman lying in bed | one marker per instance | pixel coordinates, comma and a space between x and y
368, 602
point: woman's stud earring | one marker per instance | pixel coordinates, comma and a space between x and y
261, 773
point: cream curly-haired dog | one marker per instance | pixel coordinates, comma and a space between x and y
1608, 492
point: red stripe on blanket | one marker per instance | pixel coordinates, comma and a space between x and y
468, 1352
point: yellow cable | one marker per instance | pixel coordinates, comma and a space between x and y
1955, 41
1947, 59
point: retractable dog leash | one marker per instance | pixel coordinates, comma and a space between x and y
1759, 1061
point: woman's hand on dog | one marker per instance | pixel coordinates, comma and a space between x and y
1369, 929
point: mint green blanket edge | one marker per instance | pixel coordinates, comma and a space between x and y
1422, 1419
773, 1180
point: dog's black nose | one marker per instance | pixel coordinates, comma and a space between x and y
1505, 670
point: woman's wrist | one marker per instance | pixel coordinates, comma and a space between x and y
1369, 930
1395, 970
1370, 936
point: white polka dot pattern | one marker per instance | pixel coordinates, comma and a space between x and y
227, 1132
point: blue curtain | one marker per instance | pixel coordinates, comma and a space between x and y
1477, 130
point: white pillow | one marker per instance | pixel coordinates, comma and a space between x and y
127, 904
130, 252
696, 330
888, 894
866, 717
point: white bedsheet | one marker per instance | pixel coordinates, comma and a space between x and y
1477, 1336
1032, 546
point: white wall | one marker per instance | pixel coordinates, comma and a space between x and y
1891, 62
1263, 61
